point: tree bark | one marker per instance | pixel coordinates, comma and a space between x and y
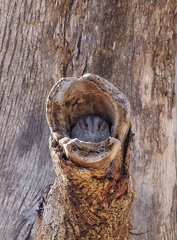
93, 191
129, 43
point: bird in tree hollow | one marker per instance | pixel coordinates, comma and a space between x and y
91, 128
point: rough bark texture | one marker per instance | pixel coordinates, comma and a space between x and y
130, 43
93, 193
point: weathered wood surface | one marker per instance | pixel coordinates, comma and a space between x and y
130, 43
93, 191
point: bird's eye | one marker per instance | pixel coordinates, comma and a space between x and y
86, 125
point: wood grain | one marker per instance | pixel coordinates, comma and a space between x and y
131, 44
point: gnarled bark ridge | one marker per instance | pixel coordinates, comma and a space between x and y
93, 191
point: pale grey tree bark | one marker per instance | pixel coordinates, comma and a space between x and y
131, 44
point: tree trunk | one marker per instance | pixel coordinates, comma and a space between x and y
129, 43
93, 191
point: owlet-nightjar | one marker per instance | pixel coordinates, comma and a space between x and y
91, 128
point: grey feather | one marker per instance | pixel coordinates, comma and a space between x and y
91, 128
